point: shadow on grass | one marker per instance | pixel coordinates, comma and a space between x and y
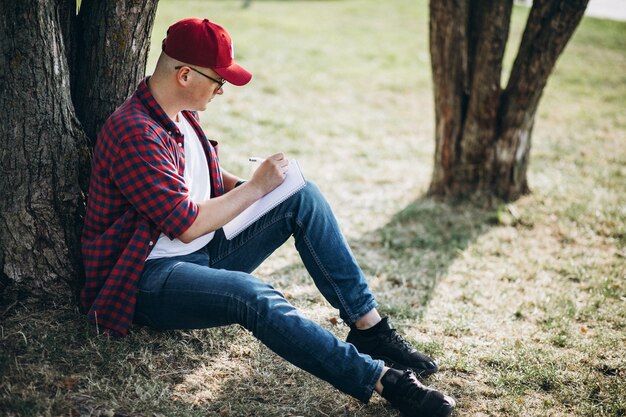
408, 256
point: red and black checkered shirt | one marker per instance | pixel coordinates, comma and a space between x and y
137, 191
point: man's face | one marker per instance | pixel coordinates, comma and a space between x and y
203, 87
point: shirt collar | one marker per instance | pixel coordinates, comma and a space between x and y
147, 99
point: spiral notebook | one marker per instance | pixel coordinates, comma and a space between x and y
294, 182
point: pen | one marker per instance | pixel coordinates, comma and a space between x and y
256, 159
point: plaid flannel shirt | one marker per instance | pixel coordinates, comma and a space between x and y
136, 191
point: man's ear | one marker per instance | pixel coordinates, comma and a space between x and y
182, 75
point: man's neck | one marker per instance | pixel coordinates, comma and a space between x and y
160, 93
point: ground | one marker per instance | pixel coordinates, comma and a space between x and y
523, 304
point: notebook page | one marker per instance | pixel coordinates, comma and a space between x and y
294, 182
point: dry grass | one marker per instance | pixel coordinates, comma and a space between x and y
523, 304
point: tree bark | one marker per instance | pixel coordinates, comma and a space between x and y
113, 46
550, 26
44, 154
482, 132
491, 32
449, 68
41, 140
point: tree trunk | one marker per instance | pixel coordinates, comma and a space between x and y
41, 138
482, 132
44, 149
113, 46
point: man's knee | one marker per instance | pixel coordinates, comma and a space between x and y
312, 191
311, 197
258, 298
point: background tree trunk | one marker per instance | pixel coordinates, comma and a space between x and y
44, 151
483, 132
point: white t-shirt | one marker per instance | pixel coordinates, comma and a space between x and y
197, 179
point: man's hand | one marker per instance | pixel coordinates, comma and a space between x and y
216, 212
271, 173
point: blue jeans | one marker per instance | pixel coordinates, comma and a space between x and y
213, 287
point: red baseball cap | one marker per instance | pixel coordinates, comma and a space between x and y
201, 42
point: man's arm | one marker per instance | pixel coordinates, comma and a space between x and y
229, 180
216, 212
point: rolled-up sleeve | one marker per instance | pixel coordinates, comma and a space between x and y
147, 174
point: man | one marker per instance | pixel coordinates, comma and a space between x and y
155, 252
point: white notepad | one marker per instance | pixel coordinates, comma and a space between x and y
294, 182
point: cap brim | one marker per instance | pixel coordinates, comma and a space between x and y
234, 74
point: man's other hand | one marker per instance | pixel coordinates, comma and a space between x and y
271, 173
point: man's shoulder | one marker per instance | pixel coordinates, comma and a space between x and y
129, 120
129, 117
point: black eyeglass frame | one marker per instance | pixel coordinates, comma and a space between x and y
220, 83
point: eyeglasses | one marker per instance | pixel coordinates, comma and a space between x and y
220, 82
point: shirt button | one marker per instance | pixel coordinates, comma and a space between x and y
151, 243
180, 144
169, 132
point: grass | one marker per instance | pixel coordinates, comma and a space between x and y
524, 305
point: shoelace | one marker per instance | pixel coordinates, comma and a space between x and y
394, 337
